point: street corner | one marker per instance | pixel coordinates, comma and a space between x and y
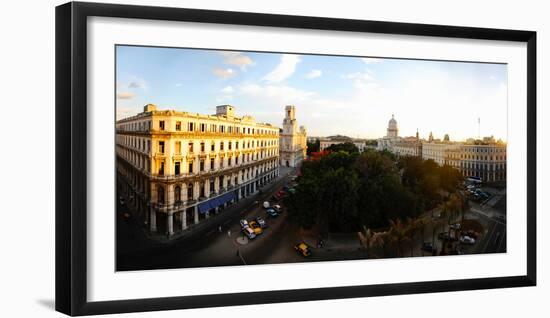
242, 240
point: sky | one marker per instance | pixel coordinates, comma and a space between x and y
353, 96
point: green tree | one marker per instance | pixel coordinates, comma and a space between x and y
348, 147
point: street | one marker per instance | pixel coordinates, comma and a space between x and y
223, 244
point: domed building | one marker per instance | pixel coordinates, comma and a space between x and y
393, 131
392, 135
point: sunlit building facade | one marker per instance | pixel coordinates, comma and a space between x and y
178, 168
293, 140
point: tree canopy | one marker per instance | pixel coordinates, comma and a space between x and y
345, 190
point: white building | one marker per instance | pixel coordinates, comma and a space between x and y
293, 140
392, 136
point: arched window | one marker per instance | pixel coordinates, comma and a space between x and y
177, 194
160, 192
190, 191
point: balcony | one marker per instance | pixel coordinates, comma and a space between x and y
159, 154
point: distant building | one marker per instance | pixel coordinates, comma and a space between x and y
392, 136
484, 158
326, 142
293, 140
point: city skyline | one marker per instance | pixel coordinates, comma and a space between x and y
333, 95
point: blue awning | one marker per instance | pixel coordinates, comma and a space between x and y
216, 202
204, 207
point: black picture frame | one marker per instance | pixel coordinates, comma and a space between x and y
71, 157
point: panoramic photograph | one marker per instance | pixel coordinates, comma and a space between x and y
234, 158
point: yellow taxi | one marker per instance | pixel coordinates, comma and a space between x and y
303, 249
256, 227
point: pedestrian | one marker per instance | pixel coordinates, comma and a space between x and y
238, 252
220, 228
229, 233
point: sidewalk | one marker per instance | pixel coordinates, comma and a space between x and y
158, 240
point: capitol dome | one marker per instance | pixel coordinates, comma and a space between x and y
392, 123
392, 127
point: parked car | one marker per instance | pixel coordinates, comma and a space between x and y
465, 239
266, 204
249, 232
255, 227
428, 247
261, 222
445, 236
244, 224
471, 234
277, 208
303, 249
272, 213
455, 226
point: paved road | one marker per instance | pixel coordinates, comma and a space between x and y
212, 247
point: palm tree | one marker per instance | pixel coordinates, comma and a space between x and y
370, 239
398, 234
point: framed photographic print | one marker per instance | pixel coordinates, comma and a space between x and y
317, 158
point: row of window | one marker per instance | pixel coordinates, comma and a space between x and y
245, 174
236, 160
204, 127
221, 145
144, 144
201, 127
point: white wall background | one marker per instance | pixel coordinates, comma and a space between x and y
27, 157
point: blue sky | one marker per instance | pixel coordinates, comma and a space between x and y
333, 94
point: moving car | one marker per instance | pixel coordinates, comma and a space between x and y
255, 227
272, 213
467, 240
303, 249
244, 224
249, 232
261, 222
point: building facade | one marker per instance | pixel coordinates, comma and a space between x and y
392, 136
177, 168
484, 158
293, 140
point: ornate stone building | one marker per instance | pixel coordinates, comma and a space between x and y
177, 168
392, 136
485, 158
293, 140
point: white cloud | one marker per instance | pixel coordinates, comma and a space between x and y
284, 70
362, 80
276, 94
237, 59
125, 95
371, 60
314, 74
224, 73
227, 90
